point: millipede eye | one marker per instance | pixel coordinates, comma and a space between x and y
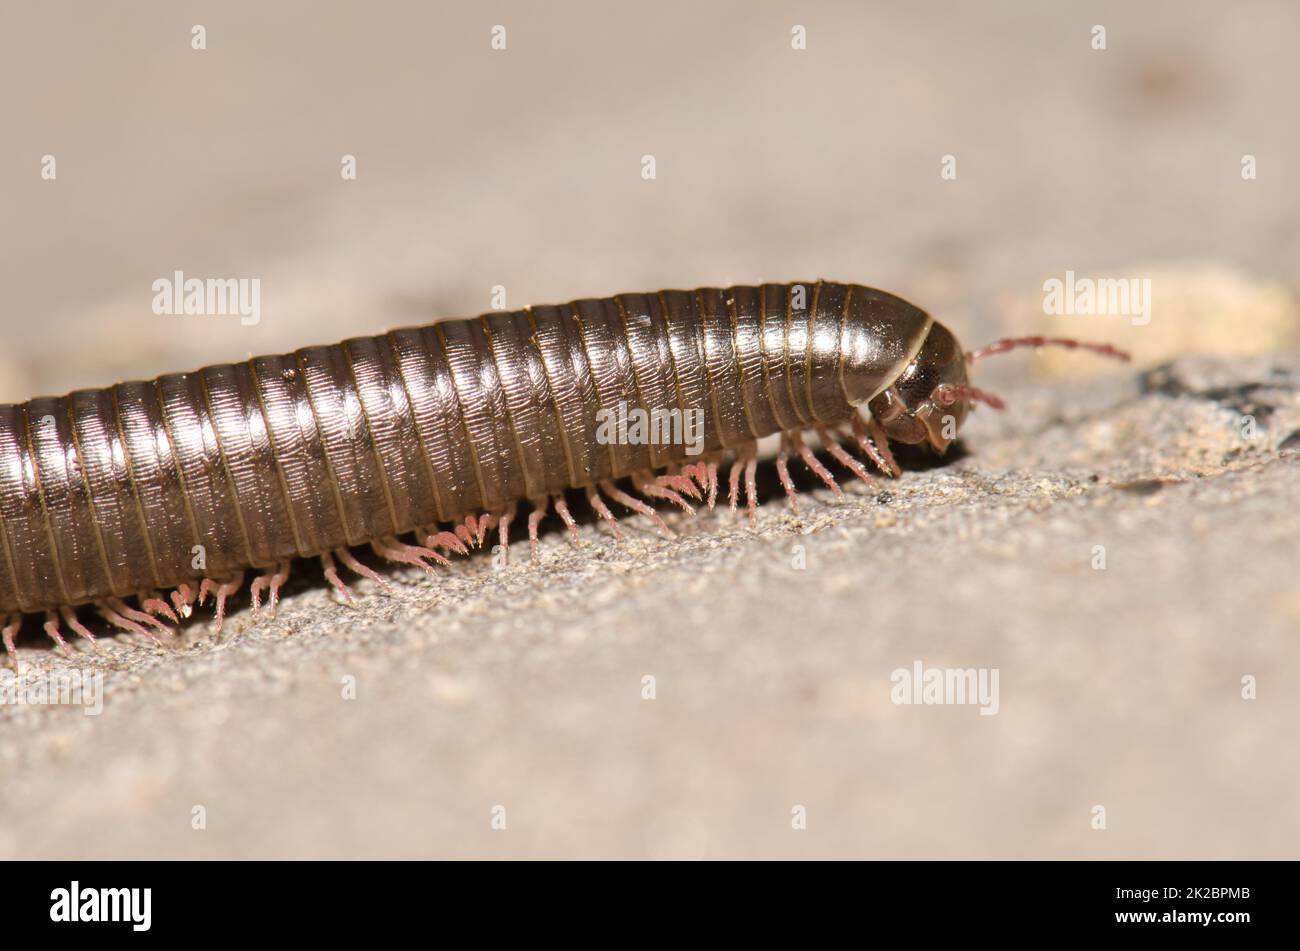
945, 394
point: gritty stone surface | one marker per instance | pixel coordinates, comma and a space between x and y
523, 687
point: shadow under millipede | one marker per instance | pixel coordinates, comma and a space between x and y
308, 575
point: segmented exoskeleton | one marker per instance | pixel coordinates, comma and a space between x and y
187, 481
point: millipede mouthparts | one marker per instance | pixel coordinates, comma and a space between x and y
185, 483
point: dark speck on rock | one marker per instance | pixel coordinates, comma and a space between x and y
1142, 486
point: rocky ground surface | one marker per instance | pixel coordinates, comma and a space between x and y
524, 689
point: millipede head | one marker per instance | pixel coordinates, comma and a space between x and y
909, 411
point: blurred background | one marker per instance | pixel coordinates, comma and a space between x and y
523, 167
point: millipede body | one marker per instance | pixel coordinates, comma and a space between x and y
185, 482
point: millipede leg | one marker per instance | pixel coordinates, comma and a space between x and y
876, 448
636, 505
11, 628
812, 462
124, 623
365, 571
271, 581
52, 629
843, 458
534, 518
70, 618
705, 475
562, 508
679, 482
223, 591
462, 532
783, 473
751, 490
473, 529
398, 551
183, 598
444, 540
601, 509
130, 613
154, 604
255, 592
332, 576
485, 523
733, 480
650, 488
881, 439
277, 582
503, 529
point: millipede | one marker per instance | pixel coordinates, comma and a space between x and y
146, 498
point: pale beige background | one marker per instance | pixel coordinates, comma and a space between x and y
522, 168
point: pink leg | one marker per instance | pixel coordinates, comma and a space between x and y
881, 439
681, 483
462, 532
70, 618
597, 503
534, 518
503, 530
52, 629
733, 479
636, 505
12, 624
563, 508
751, 490
125, 624
255, 592
224, 591
277, 582
447, 541
474, 529
130, 613
271, 581
648, 486
706, 476
813, 463
183, 598
696, 473
365, 571
332, 576
154, 604
783, 472
396, 550
875, 448
843, 458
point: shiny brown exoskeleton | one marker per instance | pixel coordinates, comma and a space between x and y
192, 478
